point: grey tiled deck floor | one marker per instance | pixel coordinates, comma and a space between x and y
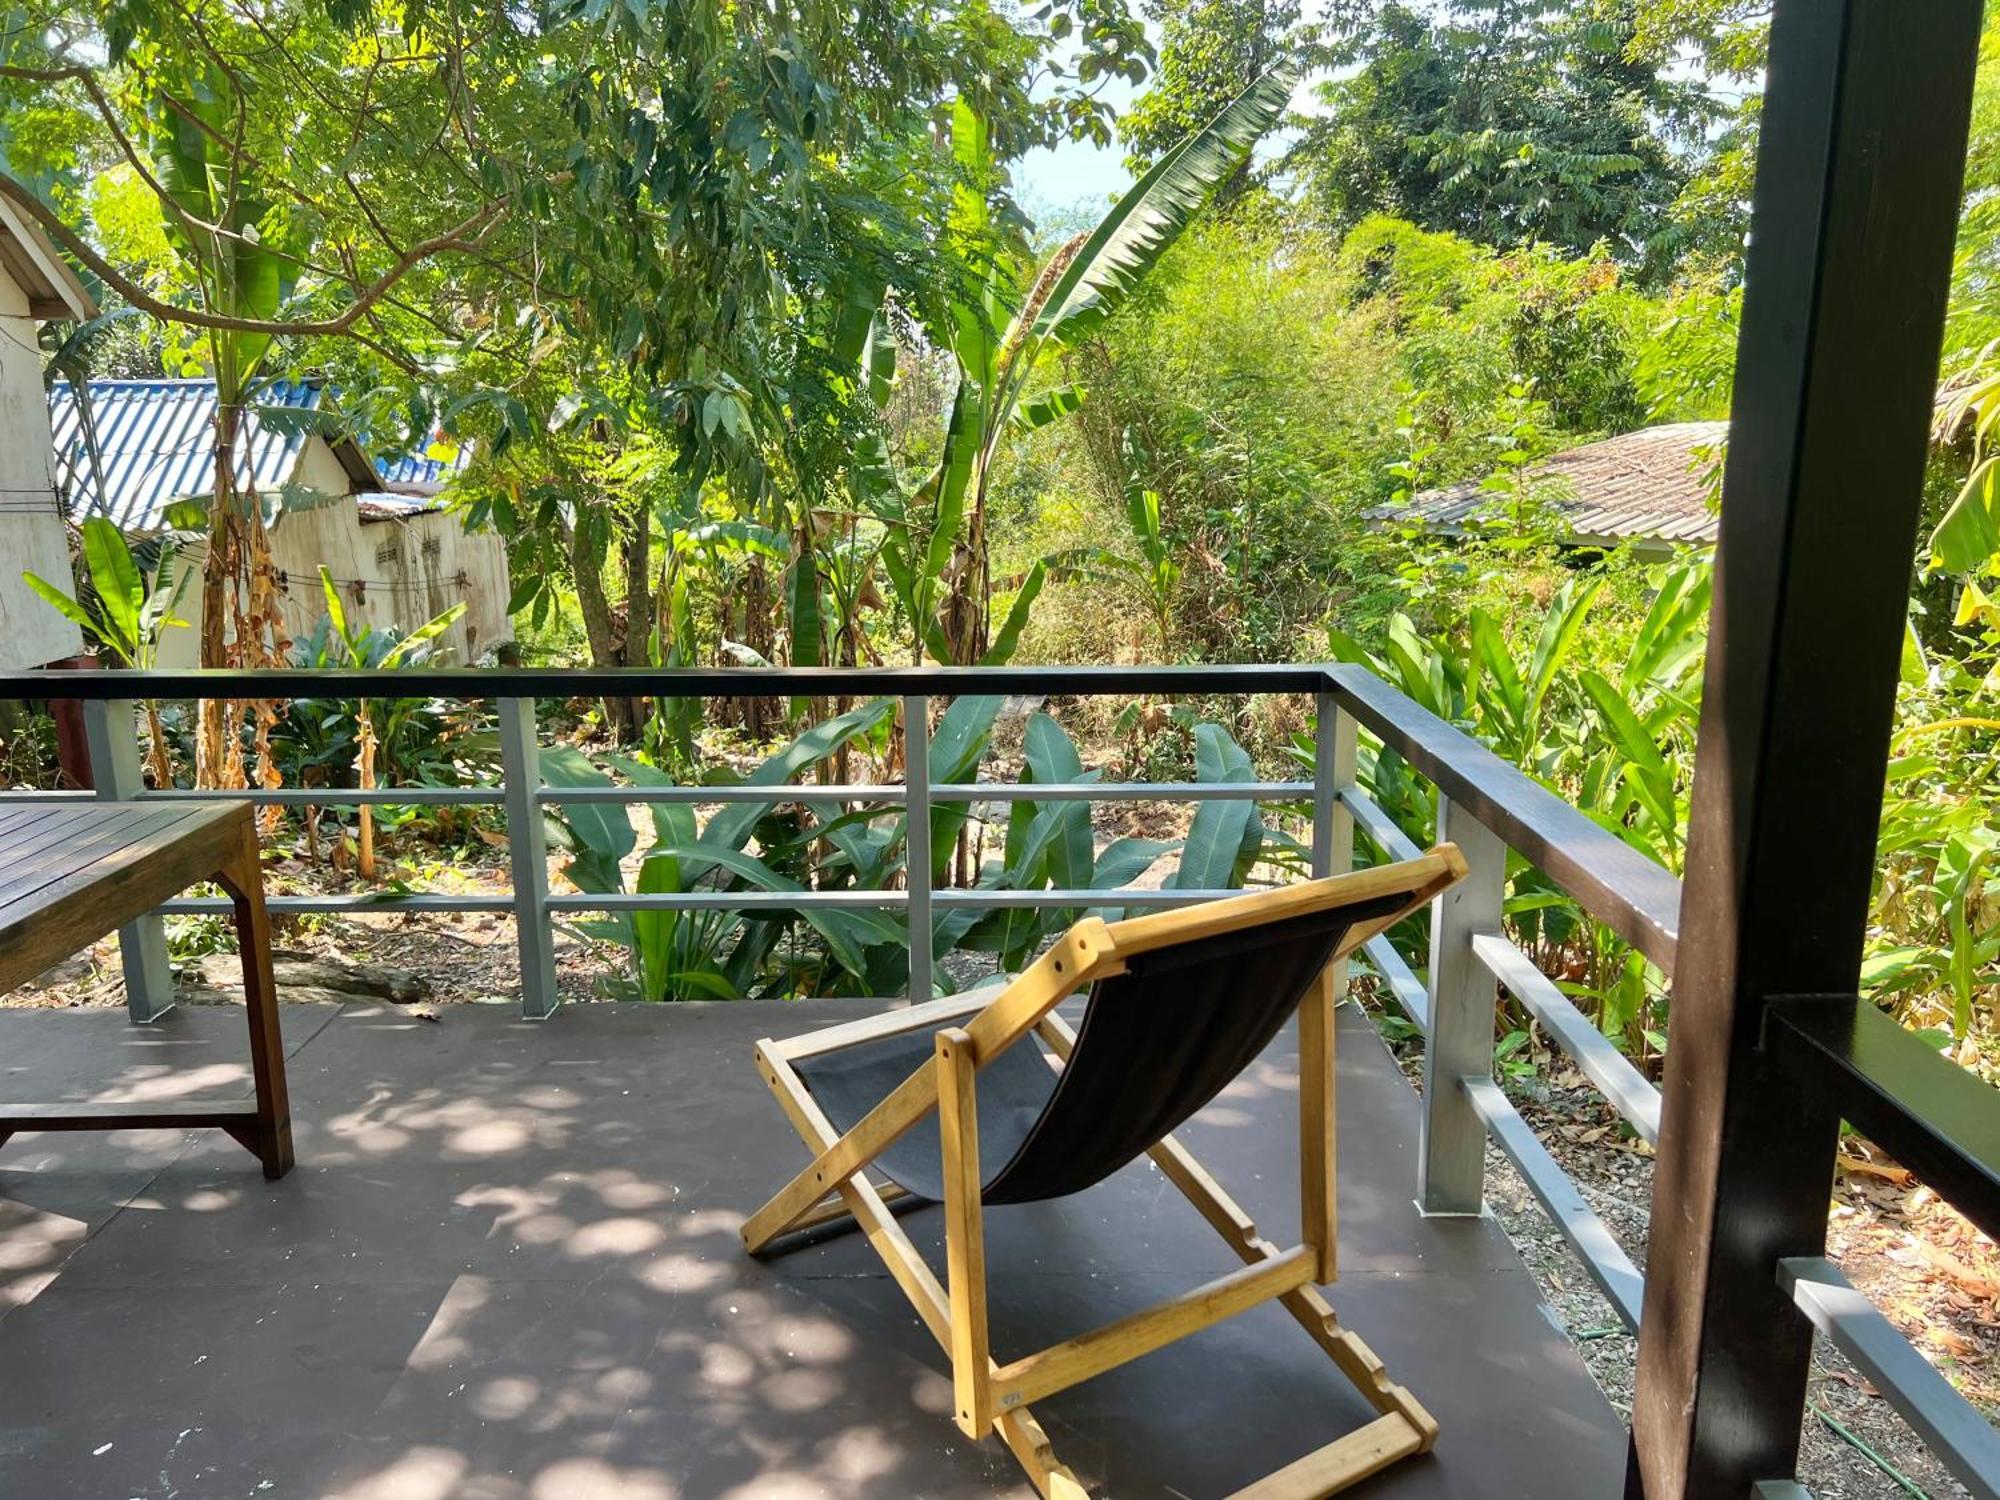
506, 1268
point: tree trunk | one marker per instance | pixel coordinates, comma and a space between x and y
638, 650
600, 626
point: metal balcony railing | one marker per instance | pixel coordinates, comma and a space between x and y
1937, 1119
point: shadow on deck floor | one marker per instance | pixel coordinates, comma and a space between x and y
506, 1268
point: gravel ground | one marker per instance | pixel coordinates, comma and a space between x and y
1854, 1445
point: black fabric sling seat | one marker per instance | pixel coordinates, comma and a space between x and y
1157, 1043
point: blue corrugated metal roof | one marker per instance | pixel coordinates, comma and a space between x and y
419, 471
156, 444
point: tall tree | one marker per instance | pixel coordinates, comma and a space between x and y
540, 221
1505, 121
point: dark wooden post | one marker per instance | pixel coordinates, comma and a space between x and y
1856, 206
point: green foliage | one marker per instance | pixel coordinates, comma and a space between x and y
998, 345
1210, 50
1507, 121
776, 847
117, 609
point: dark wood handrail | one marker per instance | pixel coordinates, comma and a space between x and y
1635, 897
1936, 1118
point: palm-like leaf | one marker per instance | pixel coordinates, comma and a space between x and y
1148, 219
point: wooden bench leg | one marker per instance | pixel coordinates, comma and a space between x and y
243, 878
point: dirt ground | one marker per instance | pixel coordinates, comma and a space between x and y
1935, 1277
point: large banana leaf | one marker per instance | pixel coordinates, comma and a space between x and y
1222, 833
1669, 638
1009, 639
1052, 759
957, 747
245, 277
1560, 629
1969, 534
1149, 218
731, 827
846, 932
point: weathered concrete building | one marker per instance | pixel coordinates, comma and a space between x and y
398, 557
36, 286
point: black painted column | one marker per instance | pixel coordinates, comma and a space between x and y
1856, 206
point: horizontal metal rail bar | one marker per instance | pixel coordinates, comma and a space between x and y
1115, 896
1401, 979
1963, 1440
1378, 825
956, 791
1602, 1256
479, 684
750, 901
401, 901
608, 901
1630, 1093
634, 795
1631, 894
893, 792
346, 796
1927, 1112
1120, 791
42, 799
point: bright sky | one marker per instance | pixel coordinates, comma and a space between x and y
1077, 173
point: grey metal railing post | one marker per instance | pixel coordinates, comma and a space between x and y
528, 857
111, 733
1453, 1145
1333, 822
917, 841
1333, 773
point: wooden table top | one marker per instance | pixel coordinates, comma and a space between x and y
79, 865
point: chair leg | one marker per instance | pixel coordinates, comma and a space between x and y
243, 878
1318, 1194
1024, 1436
965, 1234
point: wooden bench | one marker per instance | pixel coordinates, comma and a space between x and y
70, 872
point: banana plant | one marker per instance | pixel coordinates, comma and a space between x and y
713, 954
944, 580
1966, 540
126, 618
239, 251
1515, 697
1051, 845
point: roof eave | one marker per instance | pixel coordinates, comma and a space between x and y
53, 290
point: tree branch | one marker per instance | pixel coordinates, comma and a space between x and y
466, 235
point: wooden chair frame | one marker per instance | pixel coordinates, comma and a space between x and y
989, 1396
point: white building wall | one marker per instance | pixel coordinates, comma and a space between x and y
32, 535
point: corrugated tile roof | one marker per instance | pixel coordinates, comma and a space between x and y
155, 440
1649, 485
419, 473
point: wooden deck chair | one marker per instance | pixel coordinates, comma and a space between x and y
942, 1102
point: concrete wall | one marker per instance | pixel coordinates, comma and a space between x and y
392, 574
32, 536
436, 563
318, 469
